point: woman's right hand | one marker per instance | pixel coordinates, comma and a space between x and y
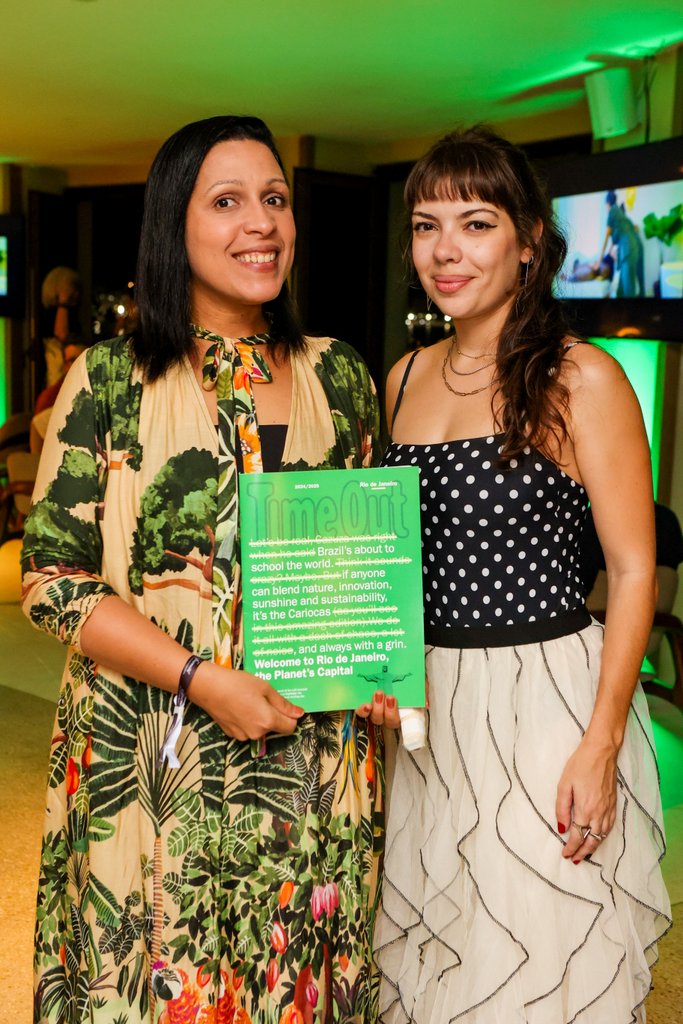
244, 706
382, 711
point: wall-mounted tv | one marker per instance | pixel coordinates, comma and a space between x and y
622, 213
12, 262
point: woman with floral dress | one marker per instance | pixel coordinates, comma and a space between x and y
187, 875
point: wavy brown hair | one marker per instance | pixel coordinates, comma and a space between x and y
477, 164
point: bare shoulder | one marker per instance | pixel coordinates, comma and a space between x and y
588, 367
394, 379
602, 402
396, 372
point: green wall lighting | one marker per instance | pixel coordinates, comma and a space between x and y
643, 363
669, 746
3, 370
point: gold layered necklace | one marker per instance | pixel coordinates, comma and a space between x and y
468, 355
448, 359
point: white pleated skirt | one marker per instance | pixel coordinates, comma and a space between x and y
483, 921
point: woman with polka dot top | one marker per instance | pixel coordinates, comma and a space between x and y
522, 880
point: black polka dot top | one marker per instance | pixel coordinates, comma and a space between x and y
500, 546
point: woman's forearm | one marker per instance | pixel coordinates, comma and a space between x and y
121, 638
630, 610
118, 637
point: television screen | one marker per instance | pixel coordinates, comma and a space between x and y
630, 287
12, 298
3, 264
624, 243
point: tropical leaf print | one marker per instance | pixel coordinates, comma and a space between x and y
176, 522
234, 889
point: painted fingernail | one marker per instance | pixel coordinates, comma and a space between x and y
561, 828
391, 702
576, 862
379, 697
367, 708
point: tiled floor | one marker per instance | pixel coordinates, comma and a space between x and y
30, 670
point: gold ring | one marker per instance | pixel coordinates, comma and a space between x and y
585, 830
594, 836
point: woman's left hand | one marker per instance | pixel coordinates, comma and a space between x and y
586, 804
382, 711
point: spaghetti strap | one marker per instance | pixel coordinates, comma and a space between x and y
402, 388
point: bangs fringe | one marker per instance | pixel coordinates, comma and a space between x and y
460, 174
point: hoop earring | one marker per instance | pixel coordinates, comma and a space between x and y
526, 270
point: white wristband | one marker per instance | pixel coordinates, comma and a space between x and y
413, 727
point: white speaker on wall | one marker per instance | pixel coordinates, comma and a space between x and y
611, 102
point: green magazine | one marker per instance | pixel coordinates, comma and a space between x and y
332, 585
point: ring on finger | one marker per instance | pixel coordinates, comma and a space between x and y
585, 830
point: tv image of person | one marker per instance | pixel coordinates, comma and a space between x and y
622, 235
585, 271
185, 874
522, 875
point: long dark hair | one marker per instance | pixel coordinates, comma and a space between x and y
162, 287
476, 163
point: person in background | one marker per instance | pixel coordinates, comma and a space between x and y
47, 398
622, 235
522, 875
184, 877
61, 292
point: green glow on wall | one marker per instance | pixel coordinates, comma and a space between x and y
669, 748
3, 372
643, 363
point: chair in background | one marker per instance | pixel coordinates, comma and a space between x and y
669, 627
665, 626
15, 496
14, 437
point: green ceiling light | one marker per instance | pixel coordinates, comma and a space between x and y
611, 102
619, 93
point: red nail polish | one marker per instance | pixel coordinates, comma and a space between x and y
576, 862
391, 702
560, 828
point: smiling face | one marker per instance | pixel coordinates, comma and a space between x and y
467, 256
239, 235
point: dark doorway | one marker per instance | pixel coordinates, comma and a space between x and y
109, 218
96, 231
339, 274
51, 243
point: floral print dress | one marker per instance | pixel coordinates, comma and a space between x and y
235, 889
